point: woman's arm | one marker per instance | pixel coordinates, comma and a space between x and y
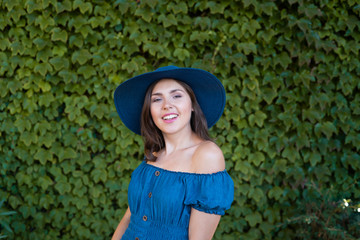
121, 228
202, 225
208, 158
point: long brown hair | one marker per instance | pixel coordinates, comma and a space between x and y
152, 135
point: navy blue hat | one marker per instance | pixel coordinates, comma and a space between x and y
129, 95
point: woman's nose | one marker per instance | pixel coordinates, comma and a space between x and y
167, 104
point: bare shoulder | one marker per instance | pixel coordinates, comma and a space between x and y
208, 158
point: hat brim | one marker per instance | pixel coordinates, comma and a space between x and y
209, 92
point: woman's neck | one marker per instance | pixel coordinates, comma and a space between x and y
180, 141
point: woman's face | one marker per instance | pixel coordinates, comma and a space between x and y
170, 107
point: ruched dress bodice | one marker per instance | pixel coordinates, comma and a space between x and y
160, 201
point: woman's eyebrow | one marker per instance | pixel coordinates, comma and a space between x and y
172, 91
176, 90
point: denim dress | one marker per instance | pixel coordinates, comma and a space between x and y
160, 201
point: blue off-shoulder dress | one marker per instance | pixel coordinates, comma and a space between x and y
160, 201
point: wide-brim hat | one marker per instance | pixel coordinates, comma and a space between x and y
129, 95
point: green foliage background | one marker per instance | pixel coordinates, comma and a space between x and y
290, 68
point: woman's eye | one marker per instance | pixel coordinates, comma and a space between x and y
177, 96
156, 99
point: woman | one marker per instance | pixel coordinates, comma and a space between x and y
181, 188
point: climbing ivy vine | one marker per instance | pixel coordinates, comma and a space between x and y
289, 133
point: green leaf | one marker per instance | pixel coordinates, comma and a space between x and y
283, 59
78, 22
244, 189
313, 157
13, 86
17, 48
177, 7
99, 175
23, 178
310, 10
266, 35
76, 40
60, 63
32, 6
272, 214
47, 140
42, 127
16, 61
81, 56
122, 5
43, 156
44, 86
45, 182
275, 193
247, 48
10, 4
43, 55
291, 153
326, 128
151, 3
29, 137
257, 118
98, 111
257, 194
69, 153
67, 167
269, 94
82, 202
182, 54
243, 167
63, 6
46, 201
251, 26
59, 50
168, 20
59, 35
68, 76
108, 132
235, 114
4, 44
280, 165
312, 114
253, 219
144, 13
268, 8
95, 191
216, 7
257, 158
43, 68
199, 36
22, 124
83, 6
63, 187
87, 71
235, 29
8, 213
44, 22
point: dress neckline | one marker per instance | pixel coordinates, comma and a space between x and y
183, 173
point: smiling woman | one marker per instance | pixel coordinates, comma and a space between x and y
155, 100
181, 188
170, 107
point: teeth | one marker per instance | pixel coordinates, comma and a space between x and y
170, 116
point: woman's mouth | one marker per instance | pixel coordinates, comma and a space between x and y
170, 117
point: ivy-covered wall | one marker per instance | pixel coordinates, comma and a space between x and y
290, 129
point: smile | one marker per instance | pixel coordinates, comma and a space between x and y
170, 116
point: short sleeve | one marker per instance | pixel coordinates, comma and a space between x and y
210, 193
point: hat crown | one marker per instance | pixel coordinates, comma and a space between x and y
166, 68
